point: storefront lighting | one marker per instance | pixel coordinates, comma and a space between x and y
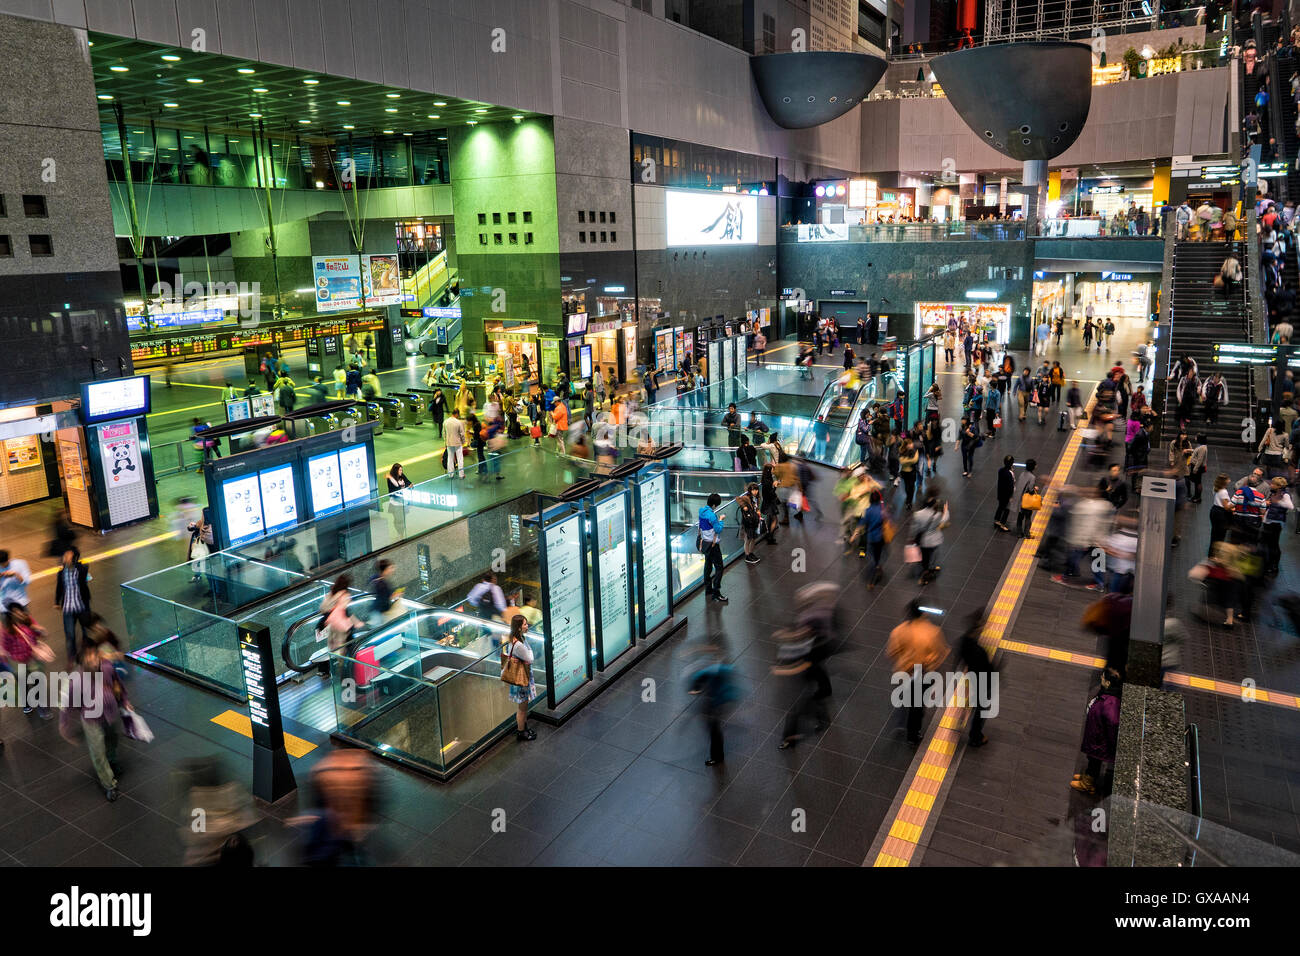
821, 191
981, 294
763, 191
320, 184
839, 190
171, 58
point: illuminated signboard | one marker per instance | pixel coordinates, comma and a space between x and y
577, 324
700, 218
564, 606
611, 565
242, 499
114, 398
279, 498
326, 485
858, 193
354, 471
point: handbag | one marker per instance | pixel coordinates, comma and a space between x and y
42, 652
134, 726
1031, 501
997, 421
887, 531
514, 671
912, 554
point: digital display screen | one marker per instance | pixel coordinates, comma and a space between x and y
262, 404
237, 411
242, 499
326, 484
612, 567
565, 606
354, 471
114, 398
584, 361
577, 323
704, 218
279, 498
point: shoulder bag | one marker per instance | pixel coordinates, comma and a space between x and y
514, 670
1031, 500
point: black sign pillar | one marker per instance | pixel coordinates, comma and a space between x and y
272, 775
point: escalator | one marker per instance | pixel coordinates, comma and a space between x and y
841, 407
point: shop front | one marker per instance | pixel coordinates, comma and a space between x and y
992, 319
602, 343
514, 349
1128, 299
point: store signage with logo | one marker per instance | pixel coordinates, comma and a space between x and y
441, 312
1117, 277
838, 292
615, 288
1105, 190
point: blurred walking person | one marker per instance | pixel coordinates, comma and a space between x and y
715, 684
916, 647
96, 700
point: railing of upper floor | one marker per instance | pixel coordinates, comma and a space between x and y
1074, 227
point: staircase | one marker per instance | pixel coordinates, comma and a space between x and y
1200, 317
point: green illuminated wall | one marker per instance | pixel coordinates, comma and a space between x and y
499, 169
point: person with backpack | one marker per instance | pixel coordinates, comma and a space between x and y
486, 600
709, 543
873, 529
1028, 499
967, 441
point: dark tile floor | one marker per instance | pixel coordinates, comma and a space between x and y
624, 782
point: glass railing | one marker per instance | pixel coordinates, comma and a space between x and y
690, 495
412, 693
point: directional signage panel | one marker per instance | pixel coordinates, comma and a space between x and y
565, 606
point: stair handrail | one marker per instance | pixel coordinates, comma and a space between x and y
1257, 331
1275, 112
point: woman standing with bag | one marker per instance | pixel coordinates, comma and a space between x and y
517, 672
1029, 499
930, 522
769, 503
198, 549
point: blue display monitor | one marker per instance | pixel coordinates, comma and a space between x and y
109, 399
326, 484
279, 498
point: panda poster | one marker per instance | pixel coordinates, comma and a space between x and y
119, 451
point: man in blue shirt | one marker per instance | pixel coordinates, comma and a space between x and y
15, 574
711, 546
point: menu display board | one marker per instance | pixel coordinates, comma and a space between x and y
114, 398
354, 472
326, 484
655, 577
613, 594
279, 498
22, 453
243, 508
565, 606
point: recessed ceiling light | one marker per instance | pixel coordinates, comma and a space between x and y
193, 79
435, 116
245, 70
388, 131
139, 131
439, 103
311, 82
518, 116
234, 141
346, 126
442, 139
344, 102
304, 122
480, 111
471, 122
103, 96
406, 134
171, 106
119, 69
171, 58
189, 136
390, 110
260, 89
254, 115
394, 96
